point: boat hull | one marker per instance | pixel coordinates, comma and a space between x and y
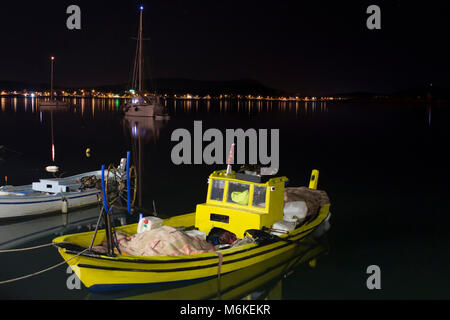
233, 285
101, 272
22, 201
42, 205
143, 110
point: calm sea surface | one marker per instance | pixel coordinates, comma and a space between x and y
385, 168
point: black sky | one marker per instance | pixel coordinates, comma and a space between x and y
301, 46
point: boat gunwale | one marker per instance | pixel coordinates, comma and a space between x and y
211, 265
38, 198
42, 196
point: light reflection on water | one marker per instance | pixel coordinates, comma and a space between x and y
78, 105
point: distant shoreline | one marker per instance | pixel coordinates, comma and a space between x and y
188, 97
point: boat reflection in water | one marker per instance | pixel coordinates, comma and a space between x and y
57, 107
142, 130
260, 281
15, 234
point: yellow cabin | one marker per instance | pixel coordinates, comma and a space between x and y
238, 202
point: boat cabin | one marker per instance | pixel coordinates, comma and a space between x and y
238, 202
50, 186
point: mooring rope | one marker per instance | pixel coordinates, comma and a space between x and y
43, 270
25, 249
219, 266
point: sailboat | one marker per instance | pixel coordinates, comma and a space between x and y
52, 102
141, 105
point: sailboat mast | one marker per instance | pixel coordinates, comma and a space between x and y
51, 77
140, 62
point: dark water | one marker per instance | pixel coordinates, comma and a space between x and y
385, 168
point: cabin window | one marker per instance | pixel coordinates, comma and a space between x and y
259, 197
219, 218
238, 193
217, 190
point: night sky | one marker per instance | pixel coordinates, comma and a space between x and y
300, 46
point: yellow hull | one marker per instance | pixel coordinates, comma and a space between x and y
101, 272
234, 285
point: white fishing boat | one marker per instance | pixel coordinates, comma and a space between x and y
141, 105
52, 102
49, 195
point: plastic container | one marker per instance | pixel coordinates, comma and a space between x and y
282, 227
295, 211
149, 223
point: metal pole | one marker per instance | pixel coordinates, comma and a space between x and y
109, 242
96, 228
140, 49
128, 182
140, 164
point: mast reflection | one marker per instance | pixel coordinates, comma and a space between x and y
143, 130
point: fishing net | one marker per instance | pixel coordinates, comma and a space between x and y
162, 241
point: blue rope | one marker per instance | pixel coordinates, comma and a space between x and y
105, 204
128, 182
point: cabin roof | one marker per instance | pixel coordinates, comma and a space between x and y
237, 177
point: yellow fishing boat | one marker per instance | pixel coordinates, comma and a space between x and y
243, 204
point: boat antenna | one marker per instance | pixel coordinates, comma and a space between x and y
155, 213
230, 159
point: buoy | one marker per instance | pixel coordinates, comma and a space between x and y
52, 169
88, 152
64, 205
